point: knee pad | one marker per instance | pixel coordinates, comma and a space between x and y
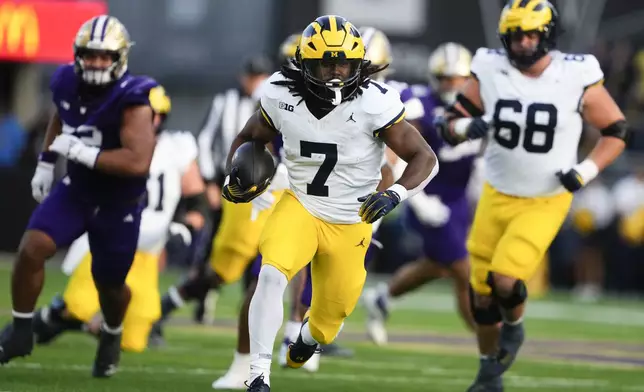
517, 296
490, 315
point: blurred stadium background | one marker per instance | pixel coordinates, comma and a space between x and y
196, 48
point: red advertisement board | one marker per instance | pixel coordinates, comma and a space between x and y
42, 31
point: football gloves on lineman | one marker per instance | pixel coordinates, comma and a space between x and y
234, 193
571, 180
579, 175
377, 205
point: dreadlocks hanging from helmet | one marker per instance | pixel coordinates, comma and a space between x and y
329, 66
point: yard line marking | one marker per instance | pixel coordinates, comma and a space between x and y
555, 383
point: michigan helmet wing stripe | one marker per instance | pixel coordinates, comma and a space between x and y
532, 5
325, 23
520, 4
333, 22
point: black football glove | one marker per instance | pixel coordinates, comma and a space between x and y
477, 129
377, 205
571, 180
234, 193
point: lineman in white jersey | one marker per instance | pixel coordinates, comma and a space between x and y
174, 177
335, 123
529, 102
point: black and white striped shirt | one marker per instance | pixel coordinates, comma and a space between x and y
228, 114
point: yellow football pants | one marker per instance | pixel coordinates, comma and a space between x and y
236, 243
293, 237
510, 235
144, 310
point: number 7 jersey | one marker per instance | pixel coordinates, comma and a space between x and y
535, 122
334, 160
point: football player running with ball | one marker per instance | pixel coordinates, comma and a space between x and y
335, 123
533, 100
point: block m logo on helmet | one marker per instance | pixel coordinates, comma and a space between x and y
19, 30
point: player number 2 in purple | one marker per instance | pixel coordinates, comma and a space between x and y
89, 134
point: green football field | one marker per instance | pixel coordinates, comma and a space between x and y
571, 347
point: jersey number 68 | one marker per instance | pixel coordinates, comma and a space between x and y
507, 133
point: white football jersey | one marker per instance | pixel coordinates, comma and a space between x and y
173, 154
333, 161
535, 123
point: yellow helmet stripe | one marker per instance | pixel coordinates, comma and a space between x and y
333, 25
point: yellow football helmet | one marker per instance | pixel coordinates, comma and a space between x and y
102, 34
522, 16
289, 48
331, 56
449, 61
377, 50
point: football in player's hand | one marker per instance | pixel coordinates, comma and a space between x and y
252, 165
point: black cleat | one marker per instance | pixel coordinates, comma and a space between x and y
258, 385
299, 352
334, 350
488, 378
16, 342
108, 355
495, 385
45, 330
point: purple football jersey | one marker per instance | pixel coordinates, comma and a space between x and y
455, 162
97, 121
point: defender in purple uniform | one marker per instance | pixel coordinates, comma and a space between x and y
440, 215
103, 127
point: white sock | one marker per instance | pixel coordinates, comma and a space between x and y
174, 295
22, 315
306, 335
265, 318
241, 361
292, 330
110, 330
514, 323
